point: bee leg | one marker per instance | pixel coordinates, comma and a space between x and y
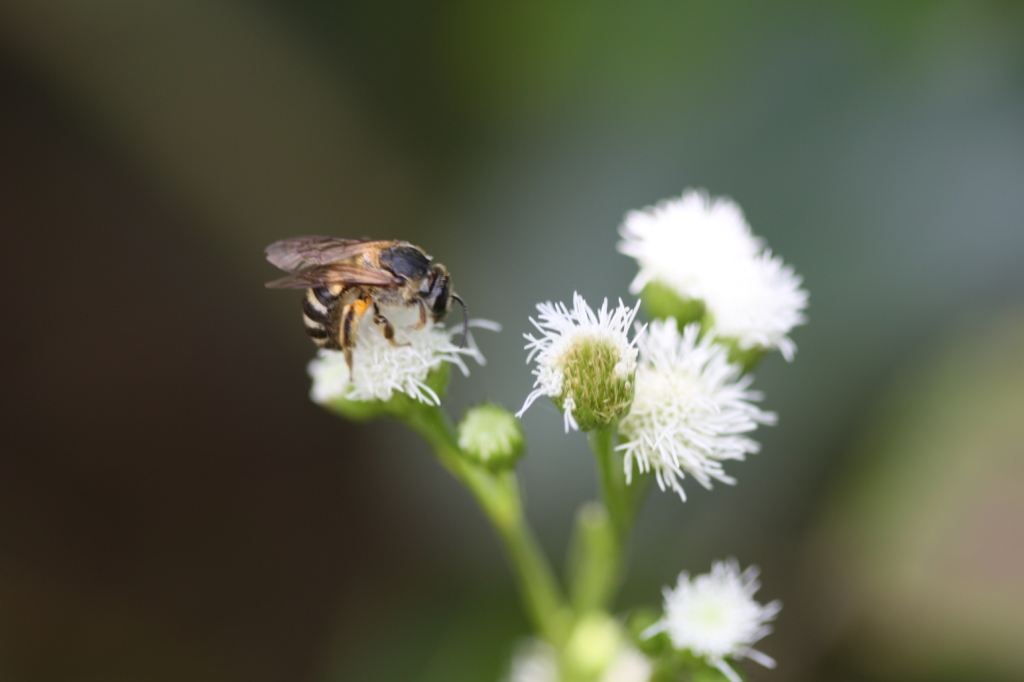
423, 315
386, 326
350, 325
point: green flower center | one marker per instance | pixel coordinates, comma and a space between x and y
594, 381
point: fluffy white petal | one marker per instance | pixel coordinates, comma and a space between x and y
379, 369
690, 411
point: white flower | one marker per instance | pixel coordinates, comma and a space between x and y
702, 249
585, 361
690, 409
379, 369
715, 616
536, 661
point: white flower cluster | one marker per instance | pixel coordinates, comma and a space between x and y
379, 369
683, 408
716, 617
703, 249
690, 411
689, 408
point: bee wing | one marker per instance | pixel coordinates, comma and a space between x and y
336, 273
298, 253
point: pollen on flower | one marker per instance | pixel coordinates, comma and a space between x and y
585, 361
715, 616
690, 410
380, 369
701, 249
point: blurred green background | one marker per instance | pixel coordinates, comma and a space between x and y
172, 507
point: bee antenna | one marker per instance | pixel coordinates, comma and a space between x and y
465, 320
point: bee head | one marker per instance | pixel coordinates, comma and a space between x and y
439, 298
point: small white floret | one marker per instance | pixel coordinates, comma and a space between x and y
703, 249
715, 616
379, 369
690, 410
569, 339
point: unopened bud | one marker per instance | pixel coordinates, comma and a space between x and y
593, 645
490, 435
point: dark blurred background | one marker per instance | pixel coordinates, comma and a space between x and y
172, 506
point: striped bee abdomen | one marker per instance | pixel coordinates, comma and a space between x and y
321, 315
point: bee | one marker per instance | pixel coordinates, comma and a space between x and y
346, 278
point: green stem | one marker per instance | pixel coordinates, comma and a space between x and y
593, 559
600, 543
636, 493
498, 495
612, 479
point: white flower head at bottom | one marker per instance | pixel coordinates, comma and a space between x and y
585, 361
690, 410
537, 661
715, 616
380, 369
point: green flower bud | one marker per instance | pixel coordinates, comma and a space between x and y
490, 435
593, 645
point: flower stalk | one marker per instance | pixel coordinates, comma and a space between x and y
497, 493
612, 479
593, 559
603, 529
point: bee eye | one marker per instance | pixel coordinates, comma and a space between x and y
440, 307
